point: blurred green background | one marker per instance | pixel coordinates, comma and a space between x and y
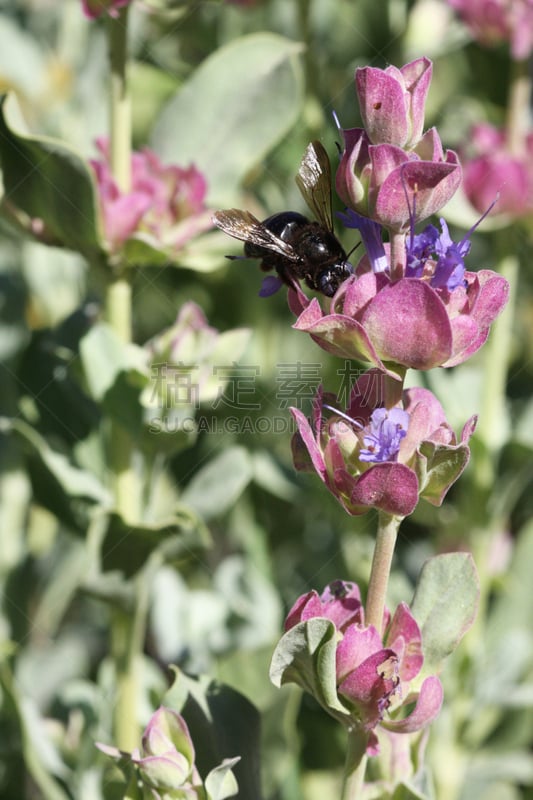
274, 534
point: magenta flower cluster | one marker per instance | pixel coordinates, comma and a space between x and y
375, 676
499, 21
492, 170
165, 205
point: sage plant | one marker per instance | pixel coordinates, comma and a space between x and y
410, 304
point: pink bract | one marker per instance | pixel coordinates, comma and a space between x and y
373, 673
392, 102
166, 203
340, 602
392, 186
406, 323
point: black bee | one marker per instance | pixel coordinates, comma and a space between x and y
297, 248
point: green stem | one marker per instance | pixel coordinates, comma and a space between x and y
118, 300
381, 565
127, 629
124, 479
355, 765
119, 101
490, 429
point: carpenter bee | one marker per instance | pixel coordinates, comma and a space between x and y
296, 247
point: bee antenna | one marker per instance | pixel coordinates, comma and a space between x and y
353, 248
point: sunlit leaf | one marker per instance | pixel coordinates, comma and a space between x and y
445, 605
237, 105
51, 184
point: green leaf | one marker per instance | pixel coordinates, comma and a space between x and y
116, 372
50, 182
223, 724
444, 466
305, 655
168, 430
40, 754
127, 547
67, 491
269, 475
405, 792
104, 356
237, 105
445, 605
221, 783
216, 487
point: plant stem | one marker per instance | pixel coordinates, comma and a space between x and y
127, 629
491, 428
355, 765
118, 299
517, 122
119, 101
398, 256
380, 571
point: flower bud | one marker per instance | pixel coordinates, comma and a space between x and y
166, 758
392, 102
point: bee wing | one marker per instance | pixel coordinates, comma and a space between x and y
244, 226
314, 182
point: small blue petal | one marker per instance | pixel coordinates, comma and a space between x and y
270, 285
387, 429
370, 234
437, 257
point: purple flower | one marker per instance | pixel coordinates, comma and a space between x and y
165, 206
392, 186
436, 258
95, 8
372, 457
370, 236
372, 674
392, 102
382, 441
